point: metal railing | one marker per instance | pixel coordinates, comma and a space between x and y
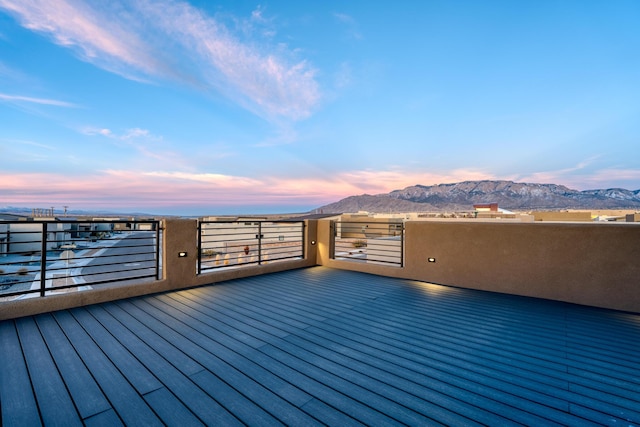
368, 241
39, 258
232, 244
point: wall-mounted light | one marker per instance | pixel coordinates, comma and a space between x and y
431, 259
182, 254
313, 242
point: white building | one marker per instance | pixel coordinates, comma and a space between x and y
26, 237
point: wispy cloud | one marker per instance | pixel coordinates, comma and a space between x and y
137, 133
170, 39
259, 23
96, 131
93, 34
603, 178
141, 140
128, 134
15, 152
219, 180
569, 176
265, 79
8, 72
587, 175
350, 23
625, 178
29, 143
42, 101
285, 134
379, 182
343, 76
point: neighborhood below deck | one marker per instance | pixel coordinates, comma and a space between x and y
320, 346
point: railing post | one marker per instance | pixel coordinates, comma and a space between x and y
199, 248
402, 246
158, 224
304, 240
260, 243
332, 239
43, 260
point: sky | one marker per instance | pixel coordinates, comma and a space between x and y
206, 107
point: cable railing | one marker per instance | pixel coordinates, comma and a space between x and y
39, 258
233, 244
379, 242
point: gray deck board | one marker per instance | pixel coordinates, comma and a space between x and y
53, 399
129, 405
194, 398
170, 409
165, 338
86, 393
135, 372
321, 346
17, 400
107, 418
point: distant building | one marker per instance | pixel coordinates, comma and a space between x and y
360, 226
13, 217
486, 207
26, 237
491, 210
562, 216
634, 217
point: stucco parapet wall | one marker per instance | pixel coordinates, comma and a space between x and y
584, 263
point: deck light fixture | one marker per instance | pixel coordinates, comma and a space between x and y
313, 242
182, 254
431, 259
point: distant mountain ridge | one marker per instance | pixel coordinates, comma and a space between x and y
508, 194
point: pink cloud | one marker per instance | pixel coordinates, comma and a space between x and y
106, 42
122, 188
583, 177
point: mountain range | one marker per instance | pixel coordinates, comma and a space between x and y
509, 195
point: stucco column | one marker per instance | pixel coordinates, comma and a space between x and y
180, 252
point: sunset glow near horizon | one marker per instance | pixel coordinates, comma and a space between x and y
204, 108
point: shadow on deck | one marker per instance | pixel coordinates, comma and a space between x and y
322, 346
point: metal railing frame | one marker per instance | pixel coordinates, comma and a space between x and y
235, 238
81, 236
347, 234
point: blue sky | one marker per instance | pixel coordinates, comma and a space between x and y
204, 107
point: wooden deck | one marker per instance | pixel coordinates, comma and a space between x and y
321, 346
